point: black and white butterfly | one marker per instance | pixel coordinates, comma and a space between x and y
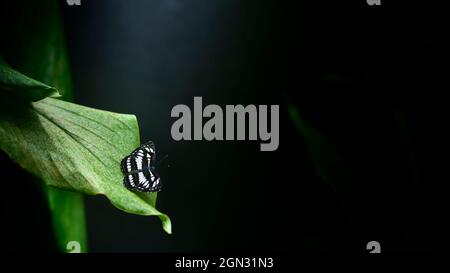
139, 170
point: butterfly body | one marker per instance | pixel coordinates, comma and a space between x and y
138, 170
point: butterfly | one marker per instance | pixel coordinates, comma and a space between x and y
139, 170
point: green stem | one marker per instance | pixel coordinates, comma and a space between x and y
67, 210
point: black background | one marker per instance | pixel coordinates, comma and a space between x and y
351, 69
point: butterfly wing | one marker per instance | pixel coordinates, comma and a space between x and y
129, 167
126, 165
129, 181
149, 147
148, 181
144, 181
147, 151
150, 152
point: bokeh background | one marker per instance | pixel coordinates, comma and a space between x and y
368, 79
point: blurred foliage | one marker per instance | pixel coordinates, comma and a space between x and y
328, 162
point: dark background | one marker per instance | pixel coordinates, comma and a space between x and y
370, 79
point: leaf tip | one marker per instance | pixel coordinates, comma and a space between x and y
166, 223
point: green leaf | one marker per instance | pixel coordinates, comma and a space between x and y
33, 42
76, 148
22, 86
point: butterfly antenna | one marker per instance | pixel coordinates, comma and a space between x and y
161, 160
